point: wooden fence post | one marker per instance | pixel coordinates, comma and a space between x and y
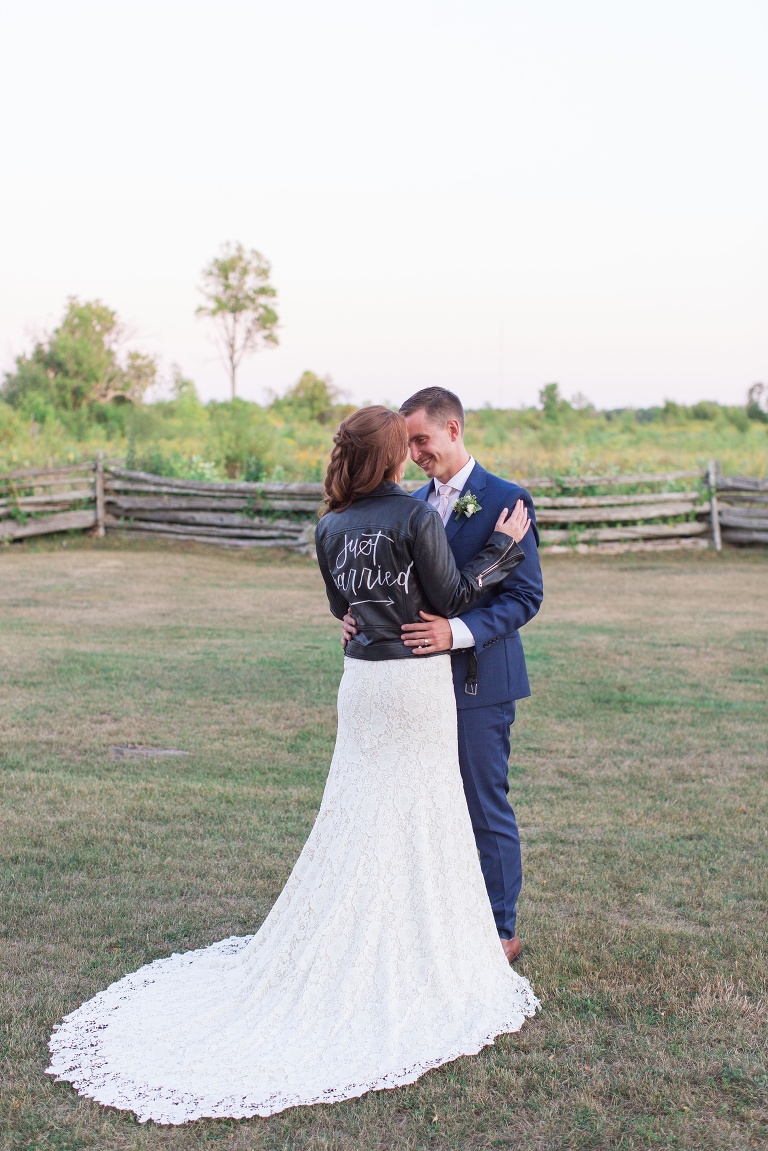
100, 494
712, 470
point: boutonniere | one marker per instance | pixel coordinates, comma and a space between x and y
466, 506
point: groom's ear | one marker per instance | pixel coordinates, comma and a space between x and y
453, 427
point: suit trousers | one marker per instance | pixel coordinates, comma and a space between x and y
484, 745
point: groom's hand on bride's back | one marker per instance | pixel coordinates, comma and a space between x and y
348, 629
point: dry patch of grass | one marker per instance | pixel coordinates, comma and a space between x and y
638, 775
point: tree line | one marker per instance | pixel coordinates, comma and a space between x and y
85, 362
85, 367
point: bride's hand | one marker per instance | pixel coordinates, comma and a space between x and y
515, 524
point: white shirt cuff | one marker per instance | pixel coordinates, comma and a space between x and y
462, 636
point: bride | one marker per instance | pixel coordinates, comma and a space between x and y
380, 958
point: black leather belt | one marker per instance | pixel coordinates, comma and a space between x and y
470, 682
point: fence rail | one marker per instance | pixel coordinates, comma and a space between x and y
743, 509
36, 502
677, 509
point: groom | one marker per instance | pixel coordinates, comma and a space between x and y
488, 663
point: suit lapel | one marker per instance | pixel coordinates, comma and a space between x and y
475, 484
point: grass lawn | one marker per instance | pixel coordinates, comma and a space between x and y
638, 774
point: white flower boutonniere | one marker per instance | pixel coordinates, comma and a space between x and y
467, 506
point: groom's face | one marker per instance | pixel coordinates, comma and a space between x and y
434, 447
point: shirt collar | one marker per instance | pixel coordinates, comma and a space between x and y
458, 481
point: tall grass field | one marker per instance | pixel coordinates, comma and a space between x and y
291, 438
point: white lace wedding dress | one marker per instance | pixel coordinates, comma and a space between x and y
379, 960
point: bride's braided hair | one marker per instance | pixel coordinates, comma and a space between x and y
369, 447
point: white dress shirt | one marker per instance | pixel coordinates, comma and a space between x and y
443, 497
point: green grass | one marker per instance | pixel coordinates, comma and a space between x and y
638, 775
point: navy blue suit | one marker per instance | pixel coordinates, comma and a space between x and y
484, 719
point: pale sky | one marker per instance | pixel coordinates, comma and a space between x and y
490, 195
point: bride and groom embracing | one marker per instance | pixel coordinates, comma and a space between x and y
380, 958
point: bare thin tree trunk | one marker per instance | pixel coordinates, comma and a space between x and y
233, 355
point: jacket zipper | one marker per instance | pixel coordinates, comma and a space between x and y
493, 567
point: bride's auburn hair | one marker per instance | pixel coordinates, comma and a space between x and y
368, 448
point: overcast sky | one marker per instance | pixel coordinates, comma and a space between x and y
489, 195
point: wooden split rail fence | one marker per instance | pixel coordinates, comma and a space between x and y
683, 509
742, 505
234, 514
39, 501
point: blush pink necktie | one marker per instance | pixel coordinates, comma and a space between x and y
445, 492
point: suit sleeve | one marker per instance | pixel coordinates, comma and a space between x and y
518, 598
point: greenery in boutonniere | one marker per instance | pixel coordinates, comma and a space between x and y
466, 506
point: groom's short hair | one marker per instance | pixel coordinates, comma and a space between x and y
439, 404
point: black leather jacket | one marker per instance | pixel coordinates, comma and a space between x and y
386, 557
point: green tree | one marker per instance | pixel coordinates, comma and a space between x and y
552, 402
239, 300
79, 364
241, 438
312, 397
756, 403
183, 390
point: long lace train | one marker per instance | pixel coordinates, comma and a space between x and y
379, 960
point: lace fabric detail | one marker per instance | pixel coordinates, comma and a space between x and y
379, 960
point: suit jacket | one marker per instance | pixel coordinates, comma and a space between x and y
496, 619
